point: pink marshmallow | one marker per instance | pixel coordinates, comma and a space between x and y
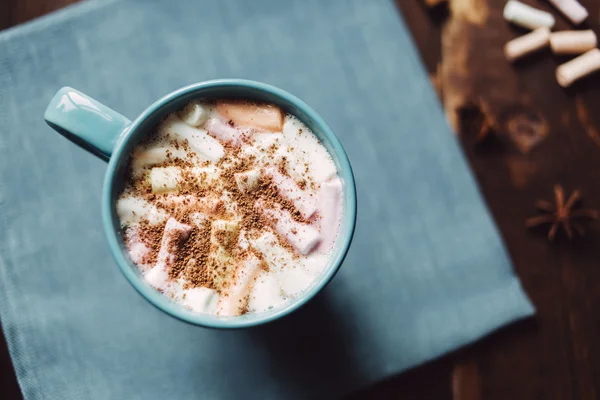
235, 297
302, 237
174, 234
224, 132
330, 200
304, 202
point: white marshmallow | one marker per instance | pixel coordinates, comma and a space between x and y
133, 209
200, 219
194, 114
142, 158
137, 249
573, 42
174, 233
201, 300
308, 151
304, 201
221, 232
266, 293
234, 297
260, 148
526, 16
526, 44
207, 176
289, 271
302, 237
578, 67
224, 133
200, 141
572, 9
247, 181
165, 179
208, 204
157, 277
330, 199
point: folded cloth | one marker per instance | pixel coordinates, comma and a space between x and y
427, 271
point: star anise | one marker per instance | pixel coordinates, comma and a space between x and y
562, 214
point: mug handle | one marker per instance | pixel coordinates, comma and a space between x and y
85, 121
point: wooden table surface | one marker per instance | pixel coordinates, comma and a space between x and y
555, 355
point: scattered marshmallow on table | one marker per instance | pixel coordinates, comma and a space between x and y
571, 9
573, 42
526, 16
578, 67
527, 44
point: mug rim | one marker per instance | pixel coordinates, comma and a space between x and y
161, 301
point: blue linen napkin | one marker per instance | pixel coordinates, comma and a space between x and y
427, 271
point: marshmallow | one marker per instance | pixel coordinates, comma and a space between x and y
208, 204
302, 237
330, 200
207, 176
260, 116
142, 158
201, 299
247, 181
571, 9
174, 234
224, 133
573, 42
157, 277
526, 44
165, 179
577, 68
234, 297
194, 114
199, 141
260, 148
526, 16
289, 271
134, 209
303, 200
201, 220
266, 293
223, 235
137, 249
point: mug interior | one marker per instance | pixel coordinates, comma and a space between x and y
145, 124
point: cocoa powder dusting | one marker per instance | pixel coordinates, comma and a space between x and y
194, 262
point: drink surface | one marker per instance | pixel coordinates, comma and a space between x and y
230, 207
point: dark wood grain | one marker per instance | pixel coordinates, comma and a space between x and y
556, 355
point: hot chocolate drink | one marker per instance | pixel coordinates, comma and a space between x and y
231, 207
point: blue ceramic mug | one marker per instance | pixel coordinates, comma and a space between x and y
112, 137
